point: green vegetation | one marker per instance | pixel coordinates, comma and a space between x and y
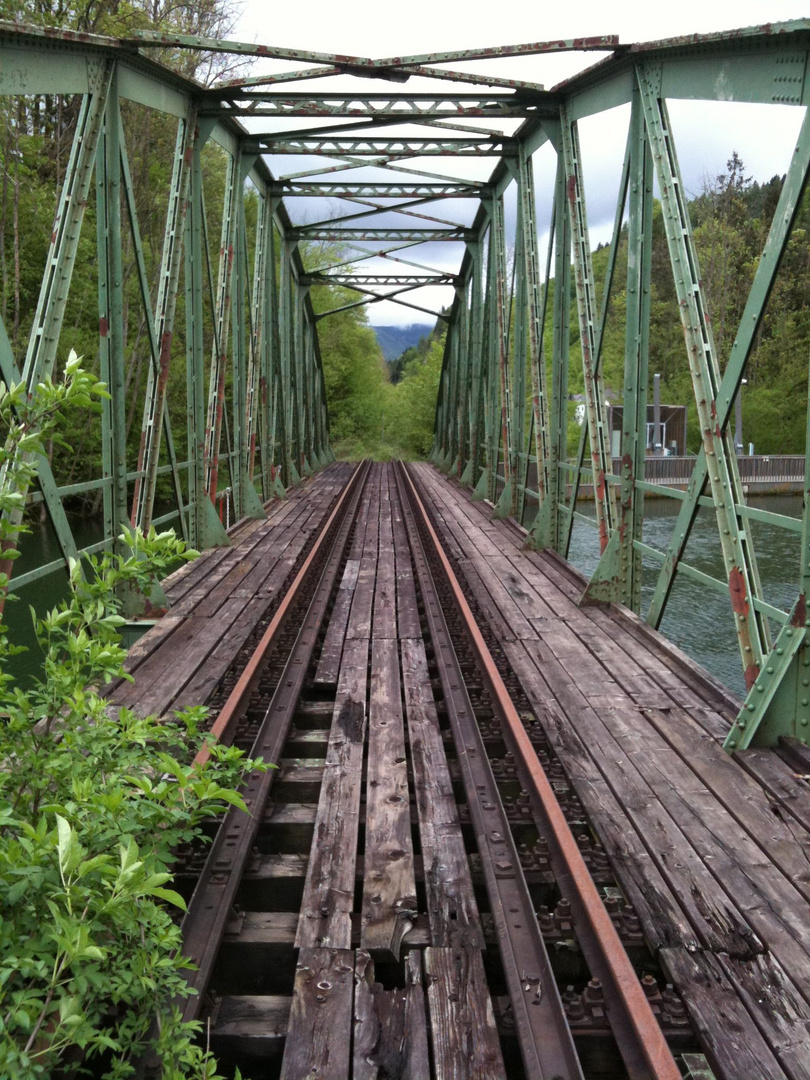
731, 219
92, 808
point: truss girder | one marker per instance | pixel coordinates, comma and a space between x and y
256, 409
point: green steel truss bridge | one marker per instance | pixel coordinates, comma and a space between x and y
256, 408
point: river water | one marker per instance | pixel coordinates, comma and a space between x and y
697, 619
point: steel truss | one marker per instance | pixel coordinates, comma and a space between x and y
256, 411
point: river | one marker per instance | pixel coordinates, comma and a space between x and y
698, 619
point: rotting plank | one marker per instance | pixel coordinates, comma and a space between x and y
389, 888
662, 917
326, 673
390, 1026
319, 1035
452, 909
780, 781
329, 890
462, 1023
733, 1044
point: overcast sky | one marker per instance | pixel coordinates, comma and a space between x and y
706, 134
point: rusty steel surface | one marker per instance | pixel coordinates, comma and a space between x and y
205, 920
546, 1042
240, 695
629, 993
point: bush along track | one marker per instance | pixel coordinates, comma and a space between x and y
91, 808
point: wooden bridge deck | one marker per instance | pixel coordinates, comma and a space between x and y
711, 851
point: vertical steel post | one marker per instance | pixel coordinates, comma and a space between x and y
535, 316
549, 528
790, 201
476, 417
205, 528
222, 314
726, 489
463, 396
586, 306
47, 325
518, 315
618, 575
160, 329
111, 315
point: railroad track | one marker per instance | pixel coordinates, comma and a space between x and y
415, 892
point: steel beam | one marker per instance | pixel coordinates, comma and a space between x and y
751, 626
586, 307
160, 328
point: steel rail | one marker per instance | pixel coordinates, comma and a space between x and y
545, 1039
204, 923
630, 1011
239, 697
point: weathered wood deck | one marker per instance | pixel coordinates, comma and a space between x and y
712, 851
217, 601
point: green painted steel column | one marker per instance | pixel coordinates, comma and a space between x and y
476, 420
751, 626
222, 313
43, 341
161, 330
205, 527
549, 528
536, 318
111, 316
501, 355
618, 575
586, 307
750, 324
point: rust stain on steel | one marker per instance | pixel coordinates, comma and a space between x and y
103, 326
651, 1039
247, 680
165, 357
751, 675
738, 591
800, 614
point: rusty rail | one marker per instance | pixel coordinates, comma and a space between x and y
638, 1034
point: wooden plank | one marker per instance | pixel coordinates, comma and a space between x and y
363, 599
319, 1035
781, 839
779, 780
462, 1023
452, 909
328, 899
385, 614
326, 674
783, 1022
731, 1041
390, 1026
660, 913
256, 1023
389, 888
408, 623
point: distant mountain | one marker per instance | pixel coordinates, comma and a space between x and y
394, 340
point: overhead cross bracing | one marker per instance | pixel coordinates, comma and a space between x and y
435, 128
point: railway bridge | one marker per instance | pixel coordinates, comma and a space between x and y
514, 831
